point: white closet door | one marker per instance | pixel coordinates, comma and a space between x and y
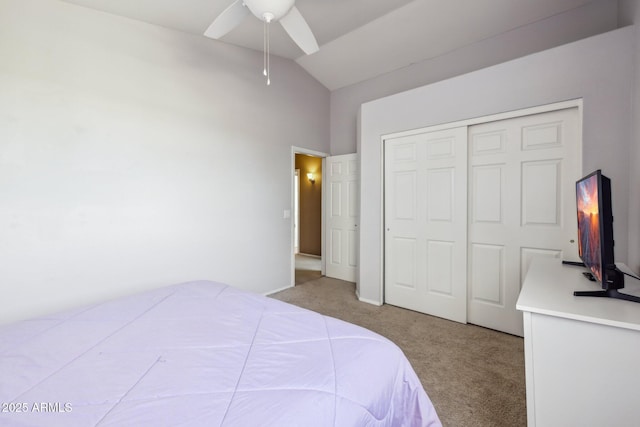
522, 175
426, 223
342, 213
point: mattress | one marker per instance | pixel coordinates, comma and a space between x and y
204, 354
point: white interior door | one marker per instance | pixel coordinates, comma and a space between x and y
296, 212
342, 215
426, 223
522, 174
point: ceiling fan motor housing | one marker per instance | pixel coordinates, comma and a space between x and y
269, 10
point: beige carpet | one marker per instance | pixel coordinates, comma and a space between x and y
304, 276
474, 376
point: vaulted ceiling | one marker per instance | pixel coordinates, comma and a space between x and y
358, 39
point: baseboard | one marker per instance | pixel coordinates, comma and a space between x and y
368, 301
266, 294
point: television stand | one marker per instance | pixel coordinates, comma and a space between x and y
610, 293
613, 280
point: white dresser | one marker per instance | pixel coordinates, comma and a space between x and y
582, 354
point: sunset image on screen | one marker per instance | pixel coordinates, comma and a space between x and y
588, 225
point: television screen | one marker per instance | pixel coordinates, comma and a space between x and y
589, 224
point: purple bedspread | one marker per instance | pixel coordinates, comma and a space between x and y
204, 354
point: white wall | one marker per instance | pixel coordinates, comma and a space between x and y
596, 17
600, 70
133, 156
630, 14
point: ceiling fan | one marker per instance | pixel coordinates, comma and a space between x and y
267, 11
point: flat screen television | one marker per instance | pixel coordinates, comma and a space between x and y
595, 236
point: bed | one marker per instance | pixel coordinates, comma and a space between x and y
204, 354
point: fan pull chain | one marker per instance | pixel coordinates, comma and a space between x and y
268, 56
266, 46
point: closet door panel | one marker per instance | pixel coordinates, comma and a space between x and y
522, 196
426, 204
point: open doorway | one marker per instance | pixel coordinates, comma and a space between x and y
308, 218
307, 248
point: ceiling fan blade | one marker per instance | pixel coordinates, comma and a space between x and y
230, 18
298, 29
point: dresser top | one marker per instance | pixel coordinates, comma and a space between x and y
548, 289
